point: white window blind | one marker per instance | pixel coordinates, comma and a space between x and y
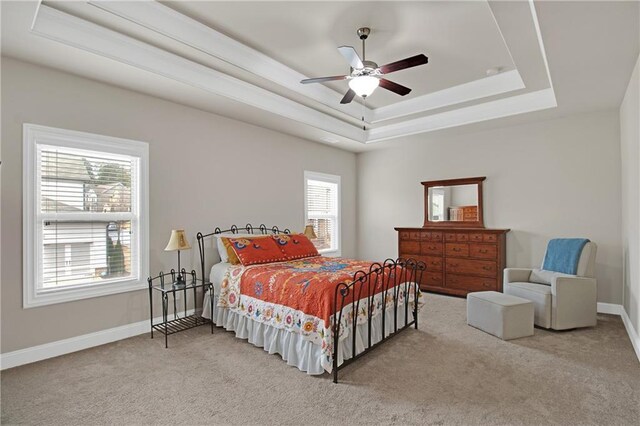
88, 216
322, 210
86, 219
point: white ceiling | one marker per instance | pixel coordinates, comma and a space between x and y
244, 59
463, 36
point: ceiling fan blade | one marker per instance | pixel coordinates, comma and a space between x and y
351, 56
323, 79
394, 87
348, 97
413, 61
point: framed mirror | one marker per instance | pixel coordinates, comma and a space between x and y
453, 203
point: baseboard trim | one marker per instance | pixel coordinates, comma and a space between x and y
86, 341
613, 309
610, 308
74, 344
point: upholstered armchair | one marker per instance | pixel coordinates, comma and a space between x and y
561, 301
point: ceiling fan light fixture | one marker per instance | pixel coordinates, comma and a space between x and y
364, 85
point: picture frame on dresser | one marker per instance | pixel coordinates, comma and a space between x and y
461, 255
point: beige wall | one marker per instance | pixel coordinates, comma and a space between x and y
630, 150
206, 171
557, 178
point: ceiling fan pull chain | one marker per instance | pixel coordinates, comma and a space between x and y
364, 109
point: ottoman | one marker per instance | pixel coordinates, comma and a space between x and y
503, 315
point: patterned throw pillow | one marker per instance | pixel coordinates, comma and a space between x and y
231, 255
295, 246
252, 251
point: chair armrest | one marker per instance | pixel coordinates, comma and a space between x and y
574, 302
512, 275
572, 284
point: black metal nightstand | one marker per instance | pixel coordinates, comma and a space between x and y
181, 321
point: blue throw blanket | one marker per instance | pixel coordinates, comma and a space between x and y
563, 255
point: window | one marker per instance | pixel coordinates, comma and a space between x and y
322, 210
85, 215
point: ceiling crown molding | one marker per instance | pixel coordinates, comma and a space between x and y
79, 33
73, 31
176, 26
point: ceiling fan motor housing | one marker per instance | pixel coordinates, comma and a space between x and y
364, 32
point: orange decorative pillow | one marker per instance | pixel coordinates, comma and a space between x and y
295, 246
231, 255
252, 251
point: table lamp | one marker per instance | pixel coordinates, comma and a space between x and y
309, 232
178, 242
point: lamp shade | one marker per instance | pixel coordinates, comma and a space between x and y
178, 241
364, 85
309, 232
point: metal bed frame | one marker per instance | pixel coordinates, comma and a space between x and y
394, 278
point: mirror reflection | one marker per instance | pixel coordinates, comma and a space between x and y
457, 203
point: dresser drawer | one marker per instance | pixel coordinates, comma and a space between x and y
490, 238
434, 263
457, 250
462, 237
449, 237
405, 235
430, 248
483, 251
482, 268
436, 236
471, 283
411, 247
433, 278
415, 235
475, 237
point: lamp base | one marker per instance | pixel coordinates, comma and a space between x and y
180, 282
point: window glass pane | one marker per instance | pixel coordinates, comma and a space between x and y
321, 197
322, 212
74, 181
324, 229
85, 252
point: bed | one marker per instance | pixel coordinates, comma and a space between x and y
318, 313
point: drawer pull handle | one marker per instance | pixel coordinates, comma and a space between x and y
455, 265
487, 268
435, 263
482, 251
456, 249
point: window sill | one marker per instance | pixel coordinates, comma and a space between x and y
50, 297
330, 253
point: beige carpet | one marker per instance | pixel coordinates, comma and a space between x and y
444, 373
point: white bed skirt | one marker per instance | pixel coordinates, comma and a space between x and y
292, 347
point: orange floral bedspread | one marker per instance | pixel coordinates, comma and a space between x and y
299, 296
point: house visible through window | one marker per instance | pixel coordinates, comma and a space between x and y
322, 210
85, 215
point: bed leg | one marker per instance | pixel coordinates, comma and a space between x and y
415, 308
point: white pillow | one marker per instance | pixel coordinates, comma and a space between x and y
540, 276
222, 251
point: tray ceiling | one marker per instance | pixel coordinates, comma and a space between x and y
245, 59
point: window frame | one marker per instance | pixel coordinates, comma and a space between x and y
335, 179
34, 135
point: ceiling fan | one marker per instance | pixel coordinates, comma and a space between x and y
366, 75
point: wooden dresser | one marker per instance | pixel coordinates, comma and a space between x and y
459, 260
460, 253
